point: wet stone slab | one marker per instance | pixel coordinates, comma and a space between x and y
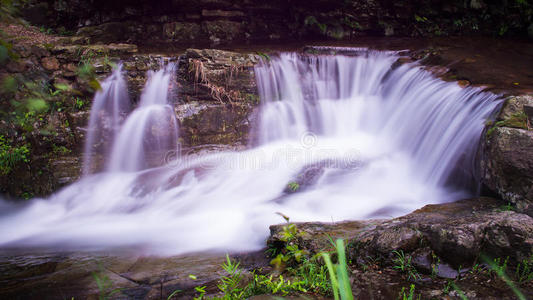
78, 275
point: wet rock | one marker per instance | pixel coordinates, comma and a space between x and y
457, 233
66, 169
15, 67
112, 32
306, 177
182, 31
39, 51
217, 91
316, 236
508, 165
137, 67
515, 105
445, 271
216, 124
222, 13
528, 110
507, 160
217, 76
50, 63
123, 276
223, 31
75, 53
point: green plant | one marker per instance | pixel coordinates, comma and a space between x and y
435, 265
338, 273
293, 186
174, 293
291, 254
421, 19
311, 20
508, 207
476, 269
516, 120
46, 30
201, 292
230, 283
460, 293
109, 63
447, 287
524, 270
402, 263
262, 284
9, 10
60, 149
410, 295
86, 71
498, 267
79, 103
264, 56
314, 276
11, 156
105, 287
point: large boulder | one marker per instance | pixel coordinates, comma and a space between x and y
507, 161
457, 232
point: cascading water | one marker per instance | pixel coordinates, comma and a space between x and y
150, 131
110, 104
355, 137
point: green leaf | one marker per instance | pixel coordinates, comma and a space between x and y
332, 276
36, 105
4, 56
95, 85
9, 85
62, 86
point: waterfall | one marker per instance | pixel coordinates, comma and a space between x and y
147, 134
337, 138
109, 106
436, 124
150, 131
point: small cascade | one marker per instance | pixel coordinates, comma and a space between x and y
150, 131
359, 137
110, 105
436, 124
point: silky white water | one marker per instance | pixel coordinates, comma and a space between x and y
337, 138
109, 106
150, 131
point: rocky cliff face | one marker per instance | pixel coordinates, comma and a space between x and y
218, 21
216, 94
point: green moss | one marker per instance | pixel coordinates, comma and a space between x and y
516, 120
252, 98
